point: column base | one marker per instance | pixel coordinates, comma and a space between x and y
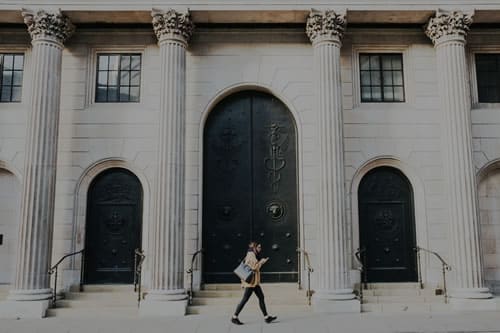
336, 301
164, 303
23, 309
30, 294
474, 299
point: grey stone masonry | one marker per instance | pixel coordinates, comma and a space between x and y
173, 30
448, 31
325, 30
48, 32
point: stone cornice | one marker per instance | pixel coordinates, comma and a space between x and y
448, 25
54, 26
325, 26
172, 24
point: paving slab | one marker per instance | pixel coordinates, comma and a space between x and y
470, 322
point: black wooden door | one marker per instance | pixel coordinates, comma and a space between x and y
113, 229
250, 187
387, 226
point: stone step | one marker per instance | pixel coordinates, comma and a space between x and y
402, 299
405, 307
93, 303
95, 312
209, 301
399, 292
393, 285
249, 309
275, 293
104, 288
99, 296
237, 286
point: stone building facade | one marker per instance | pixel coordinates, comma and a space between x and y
112, 114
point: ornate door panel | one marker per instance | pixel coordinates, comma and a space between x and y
250, 187
387, 227
113, 229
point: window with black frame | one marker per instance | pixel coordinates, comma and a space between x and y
381, 77
488, 80
11, 77
118, 77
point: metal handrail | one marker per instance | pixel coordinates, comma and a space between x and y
55, 270
309, 271
190, 271
444, 267
138, 253
361, 252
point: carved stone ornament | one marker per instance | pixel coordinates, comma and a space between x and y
44, 24
325, 25
448, 23
173, 23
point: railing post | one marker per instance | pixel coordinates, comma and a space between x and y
309, 294
365, 273
135, 270
82, 268
55, 269
307, 261
54, 295
419, 265
138, 273
445, 267
361, 269
190, 271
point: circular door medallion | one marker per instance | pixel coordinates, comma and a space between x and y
276, 210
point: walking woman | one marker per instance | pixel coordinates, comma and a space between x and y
255, 261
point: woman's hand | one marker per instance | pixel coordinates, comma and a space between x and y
264, 260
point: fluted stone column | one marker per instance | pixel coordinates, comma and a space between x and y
448, 30
334, 292
32, 284
167, 295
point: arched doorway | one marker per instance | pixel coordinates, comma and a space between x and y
387, 226
113, 227
250, 187
10, 197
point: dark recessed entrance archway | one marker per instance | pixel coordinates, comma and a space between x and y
113, 228
387, 226
250, 187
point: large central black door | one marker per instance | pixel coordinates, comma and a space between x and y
387, 227
113, 229
250, 187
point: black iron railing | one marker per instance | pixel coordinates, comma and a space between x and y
444, 268
138, 260
55, 270
190, 271
360, 256
309, 269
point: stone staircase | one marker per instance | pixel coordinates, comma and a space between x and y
401, 297
102, 301
220, 299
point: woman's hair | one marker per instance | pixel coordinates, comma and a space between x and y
253, 245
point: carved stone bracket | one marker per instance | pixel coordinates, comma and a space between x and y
171, 24
325, 25
48, 25
448, 24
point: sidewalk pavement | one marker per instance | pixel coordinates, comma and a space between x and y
286, 323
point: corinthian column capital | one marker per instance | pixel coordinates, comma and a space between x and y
448, 25
171, 24
325, 26
54, 26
